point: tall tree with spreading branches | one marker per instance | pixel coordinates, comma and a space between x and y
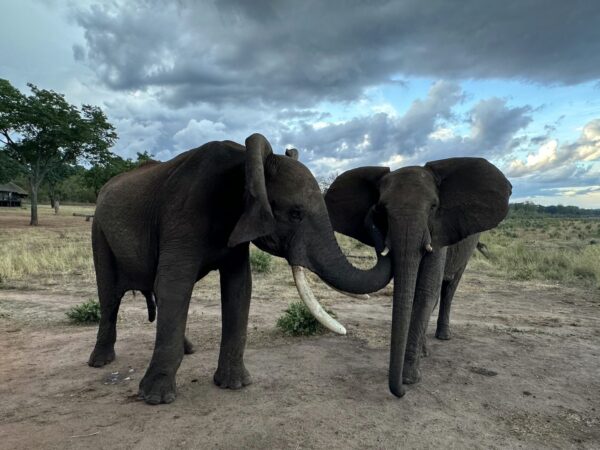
42, 132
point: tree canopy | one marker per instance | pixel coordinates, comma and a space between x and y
42, 133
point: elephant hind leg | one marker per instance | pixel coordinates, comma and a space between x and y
109, 296
448, 290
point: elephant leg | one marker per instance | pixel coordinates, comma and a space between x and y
426, 294
188, 347
104, 350
236, 289
110, 300
173, 289
448, 290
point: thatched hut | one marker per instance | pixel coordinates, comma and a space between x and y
11, 194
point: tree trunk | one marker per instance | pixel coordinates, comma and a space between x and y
34, 202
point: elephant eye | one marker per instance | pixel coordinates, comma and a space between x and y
295, 215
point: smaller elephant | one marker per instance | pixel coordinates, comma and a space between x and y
418, 213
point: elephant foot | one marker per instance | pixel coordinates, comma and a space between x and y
443, 333
232, 376
188, 347
101, 356
157, 388
411, 373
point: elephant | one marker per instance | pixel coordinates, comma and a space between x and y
163, 226
417, 212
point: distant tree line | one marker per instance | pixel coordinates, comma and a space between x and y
529, 209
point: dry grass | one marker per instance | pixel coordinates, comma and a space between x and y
59, 247
560, 250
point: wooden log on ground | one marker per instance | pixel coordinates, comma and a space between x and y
87, 216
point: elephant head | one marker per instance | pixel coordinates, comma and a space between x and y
285, 214
414, 211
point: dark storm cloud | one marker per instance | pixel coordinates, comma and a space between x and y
299, 53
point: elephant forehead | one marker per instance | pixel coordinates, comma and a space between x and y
291, 179
411, 184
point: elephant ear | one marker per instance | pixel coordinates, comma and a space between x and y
257, 219
349, 199
473, 196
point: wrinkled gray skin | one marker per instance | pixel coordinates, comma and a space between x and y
411, 210
160, 228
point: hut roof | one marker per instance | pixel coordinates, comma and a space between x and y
12, 187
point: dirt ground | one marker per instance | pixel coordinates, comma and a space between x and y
522, 371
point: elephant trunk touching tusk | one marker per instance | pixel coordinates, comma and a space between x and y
312, 304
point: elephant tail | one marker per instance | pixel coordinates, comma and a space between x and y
151, 303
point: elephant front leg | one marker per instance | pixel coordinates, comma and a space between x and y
173, 292
236, 289
426, 294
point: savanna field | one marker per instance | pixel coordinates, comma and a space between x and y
520, 371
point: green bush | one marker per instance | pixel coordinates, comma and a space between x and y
88, 312
298, 321
260, 261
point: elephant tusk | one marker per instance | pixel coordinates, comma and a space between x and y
385, 251
349, 294
429, 248
312, 304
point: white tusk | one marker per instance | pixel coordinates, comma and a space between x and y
385, 251
429, 248
349, 294
312, 304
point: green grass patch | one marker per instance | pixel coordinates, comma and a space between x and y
260, 261
298, 321
85, 313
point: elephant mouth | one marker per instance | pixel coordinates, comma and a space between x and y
313, 304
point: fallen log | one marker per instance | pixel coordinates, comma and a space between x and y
87, 216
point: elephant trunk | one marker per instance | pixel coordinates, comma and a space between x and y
407, 246
327, 260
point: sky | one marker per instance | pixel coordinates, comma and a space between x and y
347, 83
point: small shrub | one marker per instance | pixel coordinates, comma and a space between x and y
585, 273
298, 321
88, 312
260, 261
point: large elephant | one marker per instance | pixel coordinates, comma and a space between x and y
162, 227
417, 212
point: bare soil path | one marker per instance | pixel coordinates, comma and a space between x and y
522, 371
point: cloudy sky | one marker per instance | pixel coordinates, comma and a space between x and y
348, 83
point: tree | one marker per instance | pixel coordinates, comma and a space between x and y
55, 177
9, 168
42, 132
103, 171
